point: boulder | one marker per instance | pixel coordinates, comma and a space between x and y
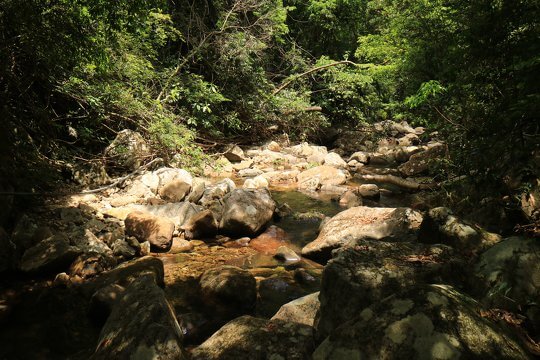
426, 322
180, 245
302, 310
357, 277
197, 190
508, 275
246, 212
278, 290
352, 226
278, 177
127, 151
334, 160
257, 182
350, 199
52, 254
369, 191
441, 227
151, 181
317, 158
216, 192
273, 146
419, 163
125, 274
249, 173
168, 175
287, 255
175, 190
87, 242
409, 140
252, 338
228, 290
147, 227
142, 325
178, 213
314, 178
360, 156
201, 226
234, 154
123, 250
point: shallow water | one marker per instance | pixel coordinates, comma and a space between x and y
302, 231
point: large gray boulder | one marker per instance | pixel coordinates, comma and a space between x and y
427, 322
142, 325
52, 254
440, 226
352, 226
507, 276
246, 212
252, 338
334, 160
359, 276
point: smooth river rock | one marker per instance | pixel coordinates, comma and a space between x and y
350, 227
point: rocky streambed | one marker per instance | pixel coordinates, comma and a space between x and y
278, 252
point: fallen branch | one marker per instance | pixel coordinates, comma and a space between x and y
318, 68
120, 180
308, 109
398, 181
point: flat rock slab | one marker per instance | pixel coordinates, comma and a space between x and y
142, 325
351, 226
253, 338
426, 322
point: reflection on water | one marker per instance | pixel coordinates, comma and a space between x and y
301, 231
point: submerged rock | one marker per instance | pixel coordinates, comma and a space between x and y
252, 338
229, 290
427, 322
141, 326
352, 226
